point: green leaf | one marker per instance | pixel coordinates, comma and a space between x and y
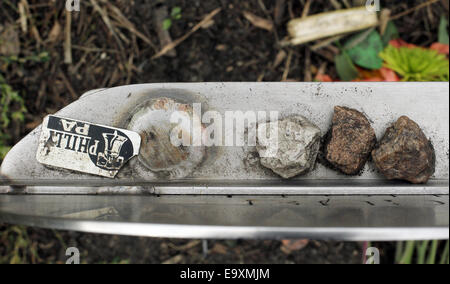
433, 252
408, 253
3, 151
399, 251
416, 64
444, 256
167, 23
364, 49
176, 12
345, 67
422, 251
18, 116
443, 33
390, 33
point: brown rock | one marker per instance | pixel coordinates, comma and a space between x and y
350, 141
405, 153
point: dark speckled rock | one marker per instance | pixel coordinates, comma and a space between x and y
349, 141
405, 153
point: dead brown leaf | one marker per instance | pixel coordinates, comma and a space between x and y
9, 41
258, 21
289, 246
384, 20
279, 58
208, 24
187, 246
221, 47
219, 249
174, 260
55, 32
23, 6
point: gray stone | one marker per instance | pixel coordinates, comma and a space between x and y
295, 150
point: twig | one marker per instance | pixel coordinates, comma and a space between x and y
360, 38
74, 69
307, 29
107, 22
333, 49
94, 49
279, 11
384, 20
306, 9
258, 21
69, 87
159, 15
288, 66
308, 75
23, 16
261, 77
68, 39
129, 69
175, 43
346, 4
322, 68
291, 10
430, 14
129, 25
336, 4
187, 246
328, 55
418, 7
263, 7
279, 58
326, 42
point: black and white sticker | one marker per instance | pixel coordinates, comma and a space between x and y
85, 147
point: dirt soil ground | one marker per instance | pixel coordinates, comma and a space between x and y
229, 48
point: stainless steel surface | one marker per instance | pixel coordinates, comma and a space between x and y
320, 205
352, 218
249, 187
383, 103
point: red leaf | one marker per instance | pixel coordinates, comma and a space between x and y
401, 43
381, 75
440, 47
375, 79
323, 78
369, 76
389, 75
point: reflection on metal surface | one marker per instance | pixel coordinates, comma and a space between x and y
94, 214
322, 217
206, 187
